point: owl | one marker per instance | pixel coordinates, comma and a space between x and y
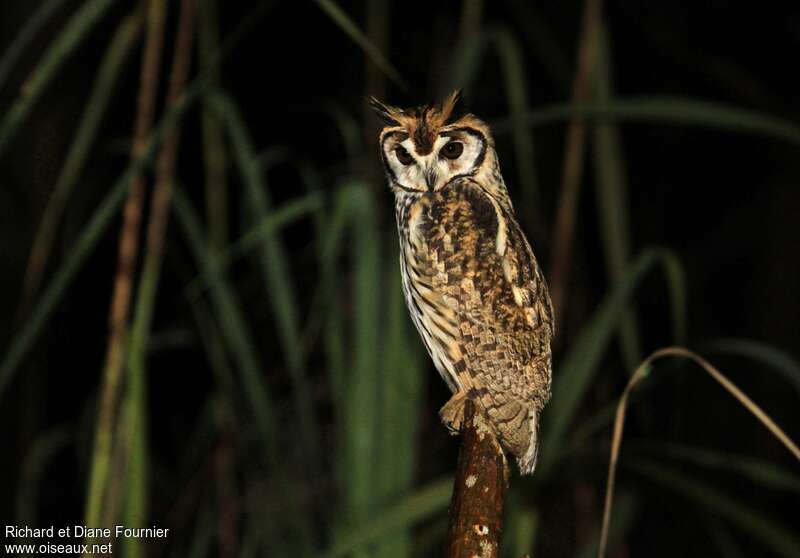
471, 282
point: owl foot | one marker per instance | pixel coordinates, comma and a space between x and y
452, 413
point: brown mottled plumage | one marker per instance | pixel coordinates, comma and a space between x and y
472, 284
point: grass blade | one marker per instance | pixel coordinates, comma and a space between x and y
781, 362
348, 129
214, 148
759, 471
574, 373
238, 339
360, 413
780, 540
624, 518
357, 393
569, 194
121, 46
26, 336
640, 374
331, 240
99, 507
524, 523
348, 26
232, 322
409, 511
611, 193
74, 33
272, 224
203, 536
676, 287
509, 52
46, 11
23, 340
137, 467
657, 109
42, 452
516, 84
723, 540
401, 386
273, 265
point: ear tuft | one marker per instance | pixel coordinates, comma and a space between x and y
453, 106
386, 113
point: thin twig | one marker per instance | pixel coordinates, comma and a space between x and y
641, 373
572, 175
479, 491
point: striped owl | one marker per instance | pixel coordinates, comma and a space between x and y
472, 284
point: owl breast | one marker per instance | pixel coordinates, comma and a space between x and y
470, 284
431, 311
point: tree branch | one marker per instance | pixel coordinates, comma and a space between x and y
479, 491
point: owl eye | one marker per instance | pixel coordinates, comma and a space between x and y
403, 155
453, 150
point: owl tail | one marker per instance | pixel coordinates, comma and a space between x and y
527, 462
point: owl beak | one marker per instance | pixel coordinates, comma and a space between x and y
430, 178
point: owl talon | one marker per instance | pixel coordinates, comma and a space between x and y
452, 413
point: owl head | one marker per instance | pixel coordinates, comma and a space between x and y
428, 147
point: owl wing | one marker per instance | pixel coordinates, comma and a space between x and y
504, 315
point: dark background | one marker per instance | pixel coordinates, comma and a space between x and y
721, 197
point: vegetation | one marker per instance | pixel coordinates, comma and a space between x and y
260, 389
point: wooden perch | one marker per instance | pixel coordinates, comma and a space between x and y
479, 492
